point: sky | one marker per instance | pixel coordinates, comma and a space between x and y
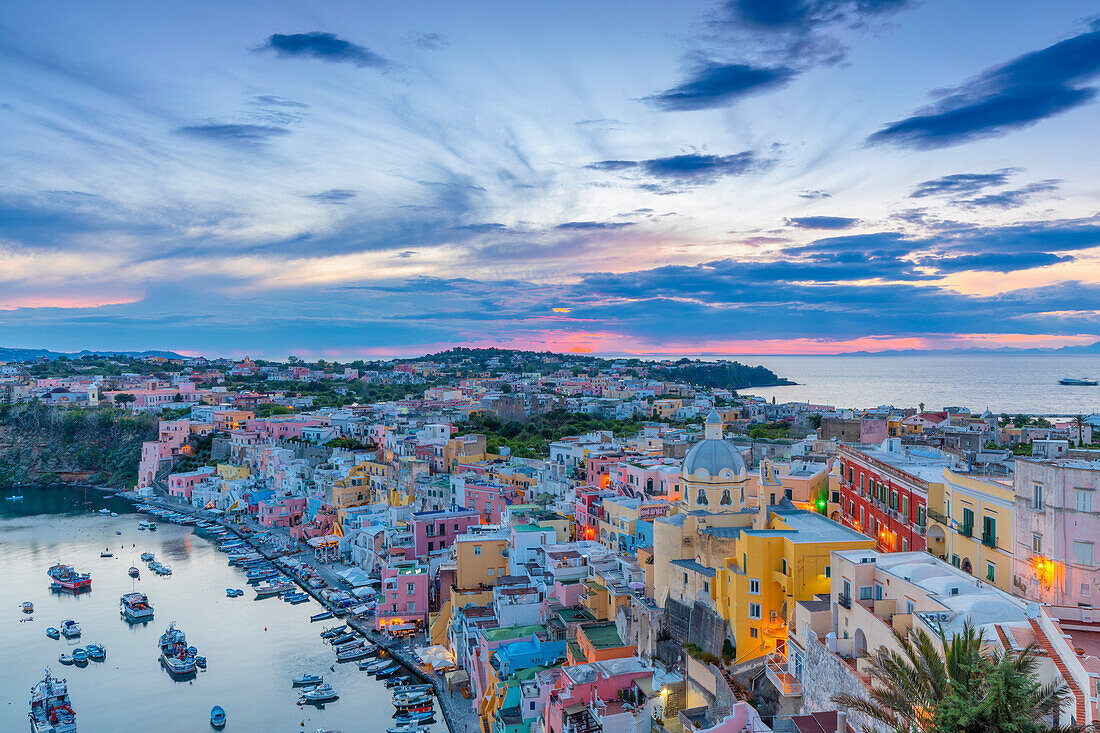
368, 179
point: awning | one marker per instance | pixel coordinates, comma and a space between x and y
329, 540
574, 708
355, 577
456, 678
645, 684
437, 656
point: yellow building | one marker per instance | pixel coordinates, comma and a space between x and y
481, 559
973, 524
230, 472
665, 409
782, 559
361, 486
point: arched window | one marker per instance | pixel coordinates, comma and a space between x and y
726, 499
649, 486
702, 498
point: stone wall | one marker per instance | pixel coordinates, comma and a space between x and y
824, 674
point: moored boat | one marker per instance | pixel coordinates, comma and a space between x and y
96, 652
70, 629
28, 607
51, 710
53, 633
148, 557
307, 679
217, 717
69, 579
135, 607
333, 631
134, 572
176, 656
80, 656
320, 616
319, 694
65, 658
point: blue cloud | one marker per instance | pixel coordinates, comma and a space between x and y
714, 84
822, 222
324, 47
333, 196
689, 167
587, 226
805, 15
996, 261
431, 41
962, 183
233, 134
1014, 95
1010, 198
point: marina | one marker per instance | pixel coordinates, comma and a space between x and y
254, 647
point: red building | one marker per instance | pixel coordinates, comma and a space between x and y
883, 491
588, 510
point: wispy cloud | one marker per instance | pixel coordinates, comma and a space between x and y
1014, 95
431, 41
822, 222
962, 183
324, 47
689, 167
233, 134
333, 196
713, 84
797, 34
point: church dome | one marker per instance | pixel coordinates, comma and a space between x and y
714, 460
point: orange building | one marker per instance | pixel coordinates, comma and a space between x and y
597, 642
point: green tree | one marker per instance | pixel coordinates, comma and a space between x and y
124, 398
815, 420
963, 690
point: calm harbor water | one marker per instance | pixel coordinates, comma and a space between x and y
1003, 383
253, 648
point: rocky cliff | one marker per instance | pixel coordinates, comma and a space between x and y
40, 444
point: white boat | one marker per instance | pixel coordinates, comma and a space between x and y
135, 607
321, 693
51, 709
307, 679
70, 629
105, 511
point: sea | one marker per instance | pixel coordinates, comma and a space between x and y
1003, 383
254, 648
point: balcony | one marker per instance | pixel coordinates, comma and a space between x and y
938, 517
989, 540
844, 600
966, 530
775, 666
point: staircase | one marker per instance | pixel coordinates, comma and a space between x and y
1078, 695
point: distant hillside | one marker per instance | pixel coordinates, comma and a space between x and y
1083, 350
699, 373
10, 354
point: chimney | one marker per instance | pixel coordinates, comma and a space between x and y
841, 721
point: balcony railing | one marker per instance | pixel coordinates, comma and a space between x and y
967, 530
786, 683
844, 600
989, 540
938, 517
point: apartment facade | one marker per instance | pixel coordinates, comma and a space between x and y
1057, 528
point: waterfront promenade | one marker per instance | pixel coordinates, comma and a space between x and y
457, 711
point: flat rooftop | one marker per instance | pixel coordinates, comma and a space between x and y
809, 527
964, 596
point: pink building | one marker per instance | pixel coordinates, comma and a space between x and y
404, 595
489, 499
437, 530
174, 432
152, 453
579, 686
283, 511
280, 428
182, 484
